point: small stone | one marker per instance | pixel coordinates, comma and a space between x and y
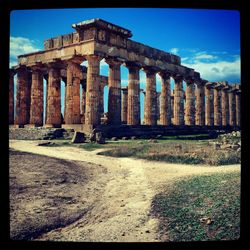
147, 231
78, 137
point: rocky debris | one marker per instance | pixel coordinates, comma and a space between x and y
125, 138
114, 139
229, 141
46, 143
133, 137
97, 136
100, 139
39, 133
78, 137
152, 140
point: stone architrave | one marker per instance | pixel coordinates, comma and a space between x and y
200, 104
92, 114
133, 96
165, 103
54, 97
209, 112
72, 102
36, 106
178, 101
190, 103
124, 105
11, 96
150, 110
114, 96
22, 97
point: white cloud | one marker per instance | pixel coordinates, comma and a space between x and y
205, 56
174, 51
217, 71
20, 46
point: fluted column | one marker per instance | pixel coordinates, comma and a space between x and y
133, 95
101, 99
232, 108
150, 110
92, 114
11, 96
224, 106
209, 112
114, 97
36, 106
124, 105
53, 113
22, 97
72, 102
190, 103
238, 102
217, 106
165, 103
178, 101
200, 104
83, 103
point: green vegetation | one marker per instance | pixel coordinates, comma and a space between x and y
182, 207
182, 149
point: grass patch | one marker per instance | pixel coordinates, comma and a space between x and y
184, 152
181, 207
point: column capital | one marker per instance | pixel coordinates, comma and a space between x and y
113, 61
151, 69
178, 78
218, 86
165, 74
133, 65
93, 58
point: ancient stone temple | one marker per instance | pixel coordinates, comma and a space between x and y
202, 104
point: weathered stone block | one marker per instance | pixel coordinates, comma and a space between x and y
78, 137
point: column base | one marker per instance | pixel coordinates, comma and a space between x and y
17, 126
32, 125
76, 127
52, 126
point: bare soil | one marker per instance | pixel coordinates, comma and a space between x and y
80, 196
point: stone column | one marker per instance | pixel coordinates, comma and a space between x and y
72, 102
150, 109
101, 99
114, 97
190, 103
22, 97
53, 113
133, 95
224, 106
124, 105
36, 107
232, 108
165, 103
238, 102
217, 106
178, 101
92, 114
200, 104
11, 96
83, 103
46, 77
209, 112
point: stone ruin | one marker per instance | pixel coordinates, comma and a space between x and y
203, 103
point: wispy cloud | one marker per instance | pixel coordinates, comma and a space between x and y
174, 51
19, 46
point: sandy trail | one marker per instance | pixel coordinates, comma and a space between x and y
122, 212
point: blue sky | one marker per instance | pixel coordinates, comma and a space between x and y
206, 40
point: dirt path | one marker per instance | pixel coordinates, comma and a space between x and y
122, 212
